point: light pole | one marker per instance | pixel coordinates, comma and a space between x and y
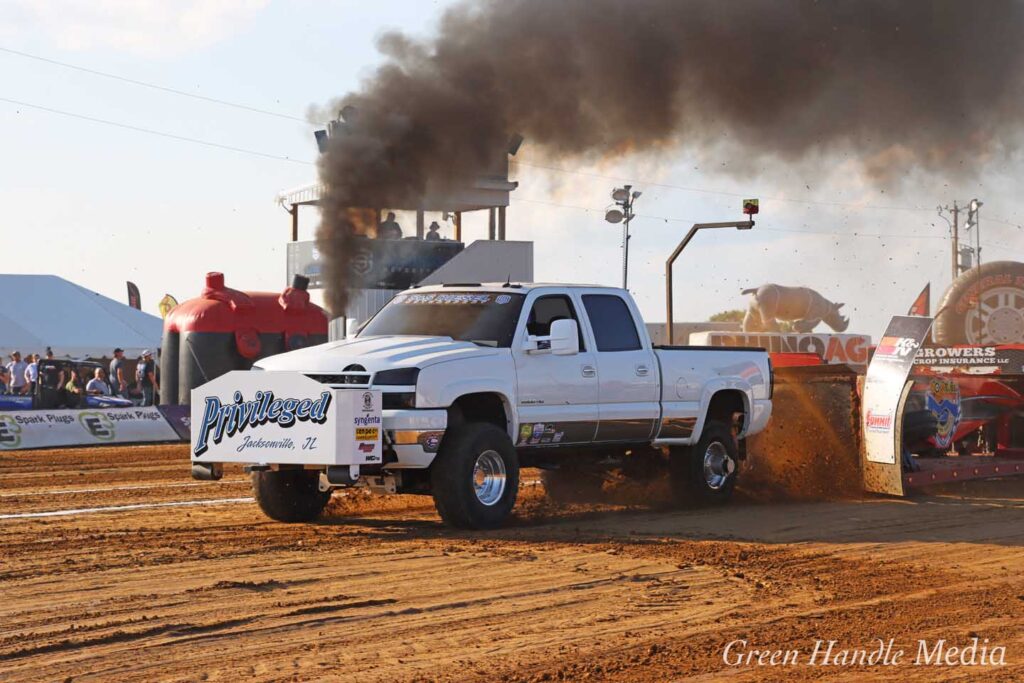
750, 207
624, 196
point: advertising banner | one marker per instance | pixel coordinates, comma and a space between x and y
995, 360
284, 418
90, 427
883, 386
848, 349
377, 264
179, 418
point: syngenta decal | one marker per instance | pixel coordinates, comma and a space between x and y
227, 420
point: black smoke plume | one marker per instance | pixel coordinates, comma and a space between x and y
896, 84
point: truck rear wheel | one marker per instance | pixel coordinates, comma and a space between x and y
705, 473
290, 495
475, 477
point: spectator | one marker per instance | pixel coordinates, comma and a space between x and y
5, 379
49, 353
432, 233
118, 375
389, 229
73, 390
16, 370
146, 375
98, 386
32, 373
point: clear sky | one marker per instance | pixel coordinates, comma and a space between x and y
100, 204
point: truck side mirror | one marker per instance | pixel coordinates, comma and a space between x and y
565, 337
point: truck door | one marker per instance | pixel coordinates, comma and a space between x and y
628, 372
557, 395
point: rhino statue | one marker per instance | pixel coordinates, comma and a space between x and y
801, 306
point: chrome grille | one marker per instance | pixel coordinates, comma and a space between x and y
361, 379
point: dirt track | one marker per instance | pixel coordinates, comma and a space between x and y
380, 591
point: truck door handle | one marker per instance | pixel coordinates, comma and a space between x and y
642, 370
589, 371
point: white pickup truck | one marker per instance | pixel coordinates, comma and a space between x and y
450, 390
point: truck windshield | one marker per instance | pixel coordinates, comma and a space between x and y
484, 318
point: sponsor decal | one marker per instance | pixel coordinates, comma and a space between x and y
943, 401
97, 424
540, 433
367, 447
10, 432
227, 420
997, 359
431, 441
896, 347
525, 430
444, 298
878, 423
939, 353
502, 299
362, 262
367, 433
367, 402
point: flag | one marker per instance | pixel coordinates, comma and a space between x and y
922, 304
166, 304
134, 300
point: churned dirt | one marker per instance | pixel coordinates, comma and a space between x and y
380, 591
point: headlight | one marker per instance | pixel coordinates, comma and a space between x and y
404, 377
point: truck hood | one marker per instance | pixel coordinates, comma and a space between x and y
375, 354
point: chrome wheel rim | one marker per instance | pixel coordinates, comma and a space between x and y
718, 466
997, 318
489, 477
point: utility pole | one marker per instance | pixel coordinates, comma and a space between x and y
624, 197
954, 232
972, 224
956, 240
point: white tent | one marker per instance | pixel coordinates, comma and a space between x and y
37, 311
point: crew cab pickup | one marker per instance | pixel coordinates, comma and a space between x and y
450, 390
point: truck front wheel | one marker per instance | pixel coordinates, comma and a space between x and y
289, 495
705, 473
475, 477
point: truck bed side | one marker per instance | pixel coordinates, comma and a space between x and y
691, 376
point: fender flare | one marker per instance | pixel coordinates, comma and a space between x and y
713, 387
455, 390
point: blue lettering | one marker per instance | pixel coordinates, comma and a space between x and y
287, 418
275, 410
209, 417
226, 420
318, 412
